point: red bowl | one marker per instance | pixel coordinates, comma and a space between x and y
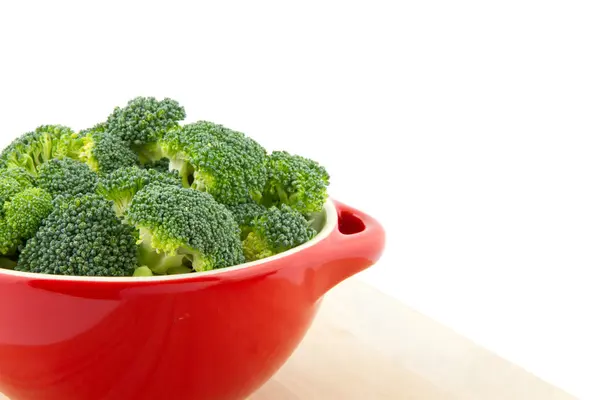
211, 335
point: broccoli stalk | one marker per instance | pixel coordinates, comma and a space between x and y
143, 271
184, 169
7, 263
160, 261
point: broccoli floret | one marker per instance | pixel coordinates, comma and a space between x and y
9, 241
12, 181
66, 176
245, 215
23, 215
20, 174
296, 181
212, 158
101, 151
182, 227
81, 236
276, 231
32, 149
122, 184
9, 187
143, 121
161, 165
26, 210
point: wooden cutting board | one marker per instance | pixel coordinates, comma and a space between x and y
366, 345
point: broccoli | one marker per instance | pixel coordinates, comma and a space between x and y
12, 181
296, 181
275, 231
32, 149
9, 241
143, 194
100, 150
161, 165
122, 184
18, 173
245, 215
66, 176
143, 121
212, 158
9, 186
181, 227
81, 236
23, 214
26, 210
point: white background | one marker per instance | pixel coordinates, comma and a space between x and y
469, 128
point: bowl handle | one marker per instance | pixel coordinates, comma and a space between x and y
356, 243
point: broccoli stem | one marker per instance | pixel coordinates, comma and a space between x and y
158, 261
178, 270
148, 152
283, 197
29, 165
7, 263
185, 171
47, 146
143, 271
121, 205
200, 263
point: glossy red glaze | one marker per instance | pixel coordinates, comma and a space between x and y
205, 336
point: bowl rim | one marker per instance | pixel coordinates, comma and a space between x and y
331, 219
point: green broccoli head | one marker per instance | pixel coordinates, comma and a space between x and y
26, 210
9, 241
32, 149
275, 231
143, 121
122, 184
100, 150
225, 163
9, 186
23, 214
66, 176
161, 165
81, 236
245, 216
296, 181
183, 227
20, 174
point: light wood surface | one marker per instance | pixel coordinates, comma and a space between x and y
366, 345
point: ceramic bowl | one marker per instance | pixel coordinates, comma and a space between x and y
211, 335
